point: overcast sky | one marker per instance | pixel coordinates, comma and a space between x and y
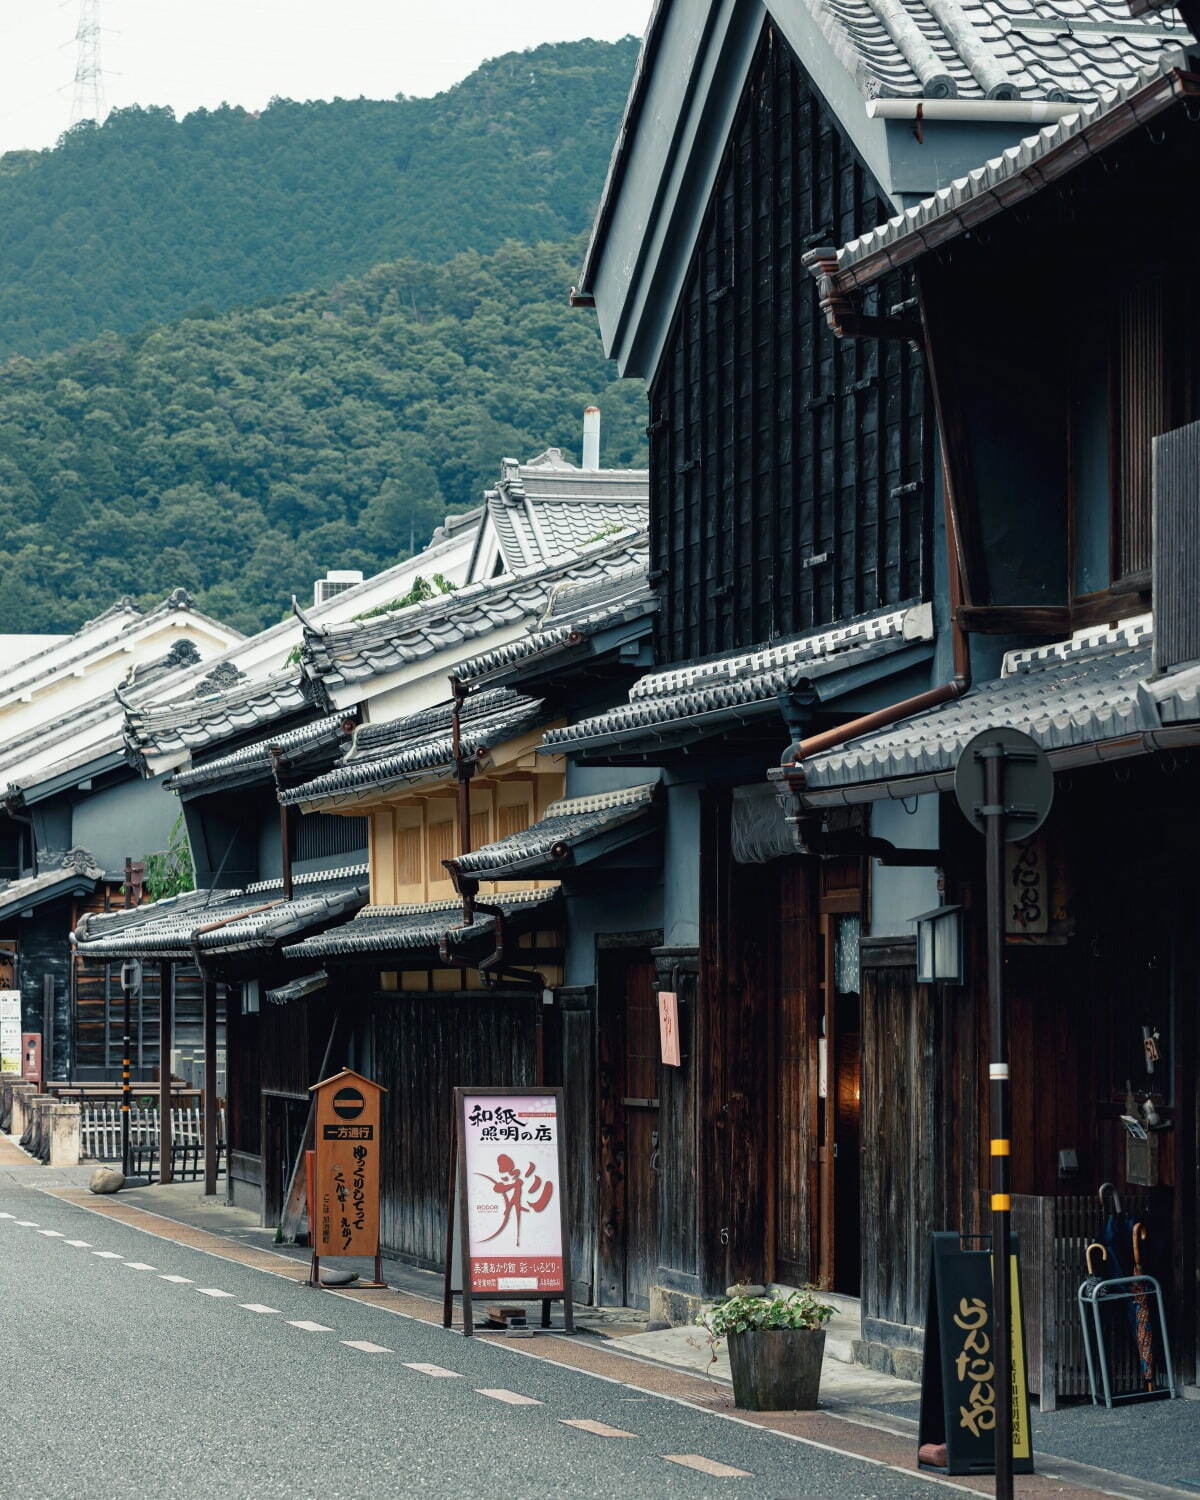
188, 53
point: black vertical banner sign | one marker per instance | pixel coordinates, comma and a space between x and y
959, 1375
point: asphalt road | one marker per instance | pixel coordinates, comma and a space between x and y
133, 1366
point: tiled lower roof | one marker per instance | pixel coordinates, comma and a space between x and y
742, 684
577, 614
419, 929
415, 748
359, 650
58, 875
556, 840
299, 989
256, 917
1070, 698
252, 761
191, 723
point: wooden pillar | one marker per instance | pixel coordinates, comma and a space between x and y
209, 991
166, 1035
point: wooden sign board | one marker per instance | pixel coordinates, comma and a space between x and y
959, 1376
344, 1201
506, 1205
668, 1028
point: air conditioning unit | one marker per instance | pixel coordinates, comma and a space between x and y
336, 581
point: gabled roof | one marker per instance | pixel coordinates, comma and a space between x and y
418, 747
414, 933
547, 508
188, 724
1084, 700
309, 745
986, 69
341, 655
573, 831
74, 873
688, 703
224, 922
579, 612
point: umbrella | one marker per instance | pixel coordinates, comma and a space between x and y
1143, 1329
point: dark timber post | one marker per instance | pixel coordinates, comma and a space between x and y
209, 991
1004, 786
994, 812
166, 1035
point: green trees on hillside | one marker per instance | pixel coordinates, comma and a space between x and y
150, 218
242, 454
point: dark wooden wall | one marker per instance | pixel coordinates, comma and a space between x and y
789, 468
424, 1047
570, 1060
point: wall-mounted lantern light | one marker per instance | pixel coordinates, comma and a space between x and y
940, 946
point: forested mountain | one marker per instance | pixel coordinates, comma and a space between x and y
241, 454
149, 218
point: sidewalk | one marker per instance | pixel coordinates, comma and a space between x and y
1139, 1452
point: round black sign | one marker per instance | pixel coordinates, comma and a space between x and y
348, 1103
1028, 781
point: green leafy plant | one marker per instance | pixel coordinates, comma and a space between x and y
741, 1314
421, 590
169, 871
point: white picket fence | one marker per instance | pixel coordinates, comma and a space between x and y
100, 1128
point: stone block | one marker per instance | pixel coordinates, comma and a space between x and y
65, 1135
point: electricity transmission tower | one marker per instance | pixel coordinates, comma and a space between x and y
88, 101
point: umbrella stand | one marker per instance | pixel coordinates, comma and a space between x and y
1121, 1289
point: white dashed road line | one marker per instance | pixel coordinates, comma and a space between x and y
510, 1398
601, 1429
306, 1327
138, 1265
367, 1347
435, 1370
706, 1466
7, 1216
26, 1223
258, 1307
178, 1280
79, 1244
52, 1234
212, 1291
107, 1255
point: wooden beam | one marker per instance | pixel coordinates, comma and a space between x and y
166, 1035
1109, 607
209, 991
1015, 619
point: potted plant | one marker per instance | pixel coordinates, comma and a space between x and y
776, 1345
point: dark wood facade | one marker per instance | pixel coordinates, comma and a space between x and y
789, 469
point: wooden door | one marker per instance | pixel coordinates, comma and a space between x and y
631, 1147
839, 1084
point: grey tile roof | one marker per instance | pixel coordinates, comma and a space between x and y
310, 742
419, 929
578, 611
547, 508
166, 929
1069, 698
299, 989
191, 723
704, 696
992, 49
359, 650
414, 748
58, 875
1017, 173
558, 840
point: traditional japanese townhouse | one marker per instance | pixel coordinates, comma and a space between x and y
798, 555
260, 883
1070, 405
73, 812
435, 991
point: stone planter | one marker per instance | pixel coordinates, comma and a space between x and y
776, 1369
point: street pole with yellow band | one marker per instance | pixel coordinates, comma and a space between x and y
1001, 1147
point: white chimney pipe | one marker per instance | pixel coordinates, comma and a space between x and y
591, 437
